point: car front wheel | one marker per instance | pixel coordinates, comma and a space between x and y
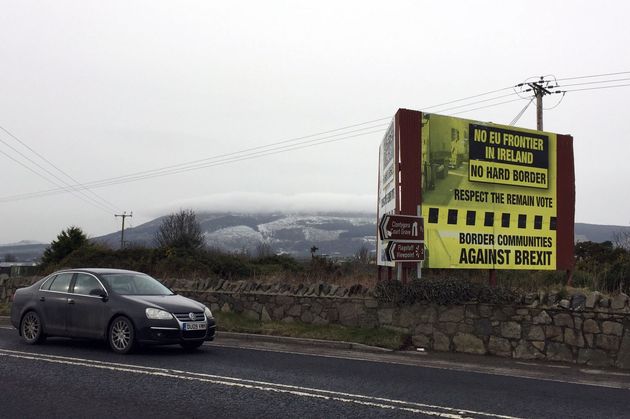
31, 328
121, 335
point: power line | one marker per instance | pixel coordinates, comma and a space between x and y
259, 151
10, 134
72, 190
233, 159
487, 106
597, 88
595, 82
469, 97
254, 152
518, 115
557, 104
479, 101
594, 76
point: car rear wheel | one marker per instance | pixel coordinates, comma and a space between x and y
31, 328
121, 335
191, 346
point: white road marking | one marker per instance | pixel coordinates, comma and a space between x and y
378, 402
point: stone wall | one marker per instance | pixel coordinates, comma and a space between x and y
583, 329
8, 285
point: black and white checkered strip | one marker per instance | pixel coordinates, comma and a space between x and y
491, 219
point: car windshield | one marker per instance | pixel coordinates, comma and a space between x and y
134, 284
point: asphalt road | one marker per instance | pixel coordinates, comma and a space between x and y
240, 378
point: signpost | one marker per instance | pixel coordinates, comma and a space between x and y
401, 227
404, 237
405, 251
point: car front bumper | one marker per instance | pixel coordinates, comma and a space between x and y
164, 335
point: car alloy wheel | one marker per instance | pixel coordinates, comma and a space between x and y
121, 335
31, 328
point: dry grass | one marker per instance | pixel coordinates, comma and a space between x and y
384, 338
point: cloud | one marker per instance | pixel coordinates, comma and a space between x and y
255, 202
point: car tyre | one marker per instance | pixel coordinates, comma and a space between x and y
191, 346
31, 328
121, 335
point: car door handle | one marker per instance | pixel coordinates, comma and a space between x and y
70, 301
42, 298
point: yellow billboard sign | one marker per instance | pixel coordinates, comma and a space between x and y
488, 195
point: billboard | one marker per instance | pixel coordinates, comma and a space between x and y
492, 196
488, 195
387, 187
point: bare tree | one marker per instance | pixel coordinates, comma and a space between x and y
363, 255
264, 250
622, 239
180, 230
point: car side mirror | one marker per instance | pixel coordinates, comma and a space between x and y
99, 292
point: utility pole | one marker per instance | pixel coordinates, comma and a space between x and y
540, 89
122, 230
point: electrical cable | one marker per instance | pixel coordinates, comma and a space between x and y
477, 102
262, 150
594, 75
597, 88
96, 196
113, 181
487, 106
518, 116
54, 183
48, 172
557, 104
595, 82
466, 98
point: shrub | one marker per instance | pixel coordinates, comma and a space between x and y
442, 291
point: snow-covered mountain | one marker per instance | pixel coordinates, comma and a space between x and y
334, 234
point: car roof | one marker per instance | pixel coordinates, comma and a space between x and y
100, 271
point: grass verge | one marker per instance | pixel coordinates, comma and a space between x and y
384, 338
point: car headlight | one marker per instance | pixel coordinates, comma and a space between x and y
157, 314
207, 312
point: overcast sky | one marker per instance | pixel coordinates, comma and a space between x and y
104, 89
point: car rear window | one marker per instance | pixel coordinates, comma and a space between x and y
61, 282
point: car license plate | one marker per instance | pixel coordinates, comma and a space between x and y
195, 326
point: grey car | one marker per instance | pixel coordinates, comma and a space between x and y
125, 308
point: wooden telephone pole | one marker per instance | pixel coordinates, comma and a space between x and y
539, 90
122, 230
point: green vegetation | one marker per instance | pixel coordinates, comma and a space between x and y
180, 253
5, 309
384, 338
599, 267
67, 242
442, 291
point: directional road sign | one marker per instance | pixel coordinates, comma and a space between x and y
405, 251
401, 227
